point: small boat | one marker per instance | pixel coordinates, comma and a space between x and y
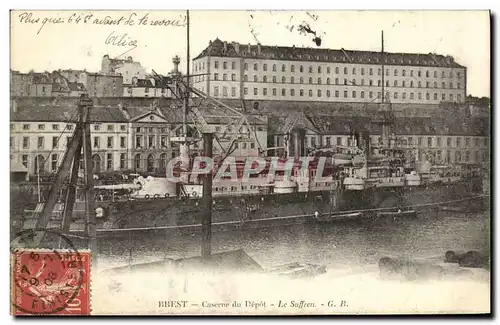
448, 208
399, 213
335, 217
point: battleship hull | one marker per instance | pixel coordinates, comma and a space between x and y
184, 215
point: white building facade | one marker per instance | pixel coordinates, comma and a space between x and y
251, 72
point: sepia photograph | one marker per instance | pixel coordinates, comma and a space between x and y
250, 162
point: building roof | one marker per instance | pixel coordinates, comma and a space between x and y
333, 125
234, 49
64, 113
41, 78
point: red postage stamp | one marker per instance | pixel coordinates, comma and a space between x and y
50, 282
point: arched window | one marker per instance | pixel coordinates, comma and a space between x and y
292, 80
301, 69
283, 68
283, 79
274, 79
96, 163
319, 81
310, 80
310, 69
163, 162
39, 164
327, 81
137, 161
151, 162
255, 78
264, 79
274, 67
395, 83
301, 80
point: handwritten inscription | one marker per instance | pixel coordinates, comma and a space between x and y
75, 18
118, 39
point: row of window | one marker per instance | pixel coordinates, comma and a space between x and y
346, 70
336, 93
409, 141
96, 127
345, 81
26, 143
40, 166
150, 129
69, 127
151, 142
96, 162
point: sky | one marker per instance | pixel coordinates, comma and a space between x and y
55, 42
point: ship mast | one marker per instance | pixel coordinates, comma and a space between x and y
186, 92
387, 118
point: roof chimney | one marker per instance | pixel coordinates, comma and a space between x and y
249, 48
258, 48
14, 106
237, 47
225, 46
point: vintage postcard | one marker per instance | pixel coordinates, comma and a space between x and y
250, 162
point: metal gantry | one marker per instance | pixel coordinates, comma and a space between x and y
71, 160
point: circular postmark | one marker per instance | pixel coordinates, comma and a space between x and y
48, 281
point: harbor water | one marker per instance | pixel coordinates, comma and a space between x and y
350, 252
342, 243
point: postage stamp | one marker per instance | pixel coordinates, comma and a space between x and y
50, 281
